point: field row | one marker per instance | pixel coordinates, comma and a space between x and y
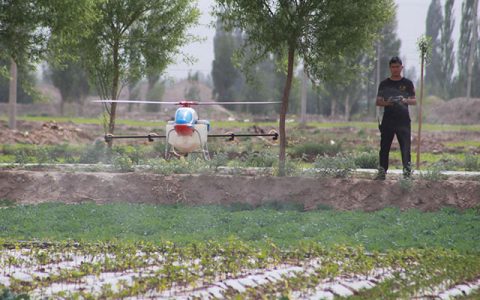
233, 270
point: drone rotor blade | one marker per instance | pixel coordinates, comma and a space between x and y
186, 102
234, 103
137, 101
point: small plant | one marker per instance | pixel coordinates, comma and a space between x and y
123, 163
316, 149
367, 160
339, 166
472, 162
406, 184
7, 203
218, 160
261, 159
94, 153
433, 174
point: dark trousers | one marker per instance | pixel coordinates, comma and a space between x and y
403, 133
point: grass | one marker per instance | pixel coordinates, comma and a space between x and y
285, 225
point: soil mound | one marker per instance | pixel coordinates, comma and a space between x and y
48, 133
455, 111
30, 187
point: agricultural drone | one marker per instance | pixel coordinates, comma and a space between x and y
186, 133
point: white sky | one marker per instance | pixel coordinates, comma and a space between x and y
411, 16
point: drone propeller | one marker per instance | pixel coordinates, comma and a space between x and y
184, 103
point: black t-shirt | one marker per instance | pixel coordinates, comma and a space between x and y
397, 113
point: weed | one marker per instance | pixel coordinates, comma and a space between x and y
406, 184
433, 174
261, 159
316, 149
472, 162
339, 166
366, 160
95, 153
123, 163
7, 202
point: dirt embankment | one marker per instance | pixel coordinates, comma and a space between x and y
28, 187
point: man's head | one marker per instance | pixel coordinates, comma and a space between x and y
396, 67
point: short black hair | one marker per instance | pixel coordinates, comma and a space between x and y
395, 60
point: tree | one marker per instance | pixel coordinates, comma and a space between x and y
319, 32
133, 38
71, 80
31, 28
224, 73
465, 47
448, 55
433, 71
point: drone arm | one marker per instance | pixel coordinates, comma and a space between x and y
231, 136
150, 137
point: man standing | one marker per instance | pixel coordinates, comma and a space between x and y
395, 94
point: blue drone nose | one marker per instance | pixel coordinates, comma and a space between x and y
184, 115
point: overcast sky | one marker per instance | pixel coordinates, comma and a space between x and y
411, 16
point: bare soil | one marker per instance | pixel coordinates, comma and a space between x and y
32, 187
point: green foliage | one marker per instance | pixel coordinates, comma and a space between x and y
283, 223
433, 71
406, 184
424, 44
433, 173
322, 148
472, 162
7, 203
366, 160
71, 80
6, 294
132, 38
261, 159
123, 163
339, 166
95, 153
352, 26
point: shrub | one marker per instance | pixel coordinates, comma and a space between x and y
472, 163
366, 160
261, 159
123, 163
95, 153
338, 166
433, 174
316, 149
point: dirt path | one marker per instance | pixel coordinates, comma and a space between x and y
28, 187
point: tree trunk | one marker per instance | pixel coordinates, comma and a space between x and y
473, 50
303, 102
12, 96
113, 106
283, 111
347, 108
333, 108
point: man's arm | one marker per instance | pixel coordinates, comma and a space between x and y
381, 102
410, 100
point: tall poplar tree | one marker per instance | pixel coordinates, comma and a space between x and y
447, 54
433, 71
463, 53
